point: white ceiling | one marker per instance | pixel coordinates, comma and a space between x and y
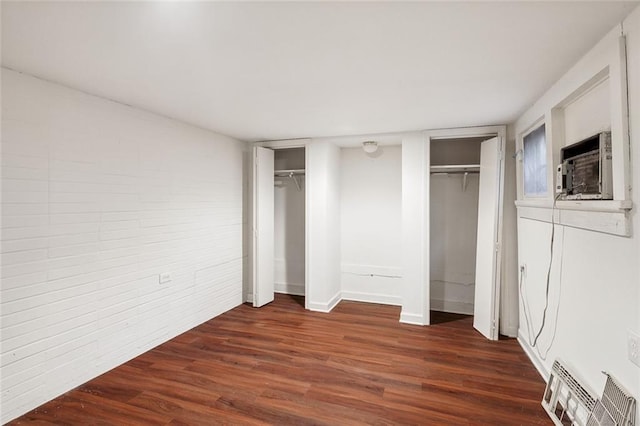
259, 71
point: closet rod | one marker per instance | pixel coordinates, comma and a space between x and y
456, 168
455, 172
289, 172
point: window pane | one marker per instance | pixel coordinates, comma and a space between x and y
535, 163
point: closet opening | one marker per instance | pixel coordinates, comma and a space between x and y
455, 196
289, 222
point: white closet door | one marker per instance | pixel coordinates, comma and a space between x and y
263, 224
487, 289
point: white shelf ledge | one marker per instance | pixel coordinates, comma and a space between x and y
595, 205
612, 206
607, 216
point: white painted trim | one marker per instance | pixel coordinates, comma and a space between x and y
467, 132
611, 206
413, 319
249, 298
609, 223
499, 221
325, 307
452, 306
612, 222
285, 143
383, 299
534, 198
308, 220
289, 288
335, 300
605, 206
537, 362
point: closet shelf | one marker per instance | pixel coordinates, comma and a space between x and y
456, 168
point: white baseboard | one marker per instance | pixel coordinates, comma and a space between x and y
325, 307
289, 288
535, 360
414, 319
334, 301
452, 306
383, 299
249, 298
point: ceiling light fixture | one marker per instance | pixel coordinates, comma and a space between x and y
370, 146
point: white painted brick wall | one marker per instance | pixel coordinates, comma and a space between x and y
98, 199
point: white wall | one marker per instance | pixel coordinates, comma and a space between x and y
98, 199
594, 289
415, 235
323, 225
371, 224
588, 115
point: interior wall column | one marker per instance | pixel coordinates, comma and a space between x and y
415, 229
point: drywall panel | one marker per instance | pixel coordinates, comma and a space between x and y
588, 115
98, 200
632, 26
371, 224
415, 220
589, 308
323, 226
594, 292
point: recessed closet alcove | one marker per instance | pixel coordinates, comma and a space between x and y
289, 221
454, 186
465, 205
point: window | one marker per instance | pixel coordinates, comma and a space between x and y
535, 163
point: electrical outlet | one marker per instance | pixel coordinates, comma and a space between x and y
633, 347
164, 278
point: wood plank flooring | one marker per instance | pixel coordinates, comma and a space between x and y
283, 365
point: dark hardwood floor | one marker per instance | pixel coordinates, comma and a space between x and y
283, 365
